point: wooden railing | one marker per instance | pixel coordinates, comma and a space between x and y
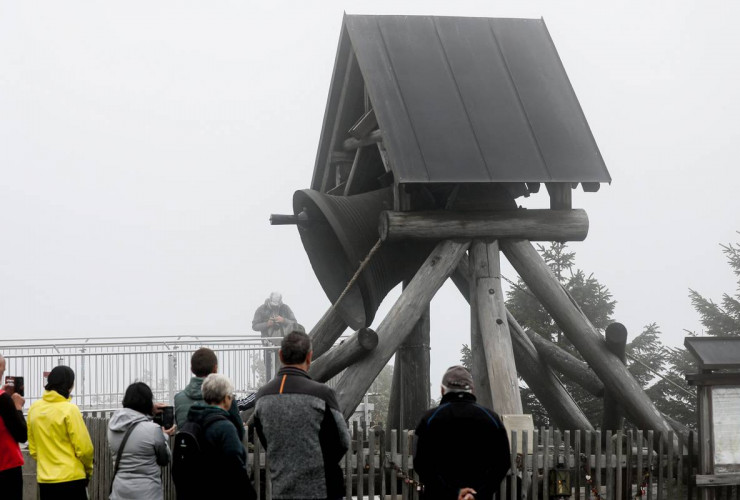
610, 466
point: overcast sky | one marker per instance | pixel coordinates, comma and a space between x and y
143, 146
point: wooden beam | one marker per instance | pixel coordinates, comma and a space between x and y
531, 367
568, 365
533, 225
357, 346
612, 417
478, 368
494, 328
367, 123
561, 195
410, 390
373, 137
328, 329
399, 322
346, 81
560, 405
539, 278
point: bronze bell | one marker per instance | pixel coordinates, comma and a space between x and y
338, 232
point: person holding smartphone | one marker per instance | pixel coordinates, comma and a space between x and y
137, 461
12, 431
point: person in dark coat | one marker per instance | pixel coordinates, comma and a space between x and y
226, 471
299, 423
12, 431
462, 448
273, 319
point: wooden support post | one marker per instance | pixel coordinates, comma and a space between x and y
534, 225
612, 417
561, 195
410, 390
399, 322
357, 346
539, 377
579, 330
494, 328
329, 328
478, 368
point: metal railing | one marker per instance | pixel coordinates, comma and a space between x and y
104, 367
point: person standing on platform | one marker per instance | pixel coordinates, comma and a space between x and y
462, 448
12, 431
273, 319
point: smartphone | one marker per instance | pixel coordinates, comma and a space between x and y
165, 419
15, 384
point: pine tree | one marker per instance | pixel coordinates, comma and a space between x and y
723, 318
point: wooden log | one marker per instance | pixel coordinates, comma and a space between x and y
410, 389
561, 195
579, 330
494, 328
539, 377
373, 137
478, 368
616, 342
534, 225
364, 125
568, 365
399, 322
357, 346
328, 329
559, 404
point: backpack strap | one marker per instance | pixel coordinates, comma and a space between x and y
120, 453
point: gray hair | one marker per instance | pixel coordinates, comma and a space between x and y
216, 387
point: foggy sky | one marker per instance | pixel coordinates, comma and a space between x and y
143, 146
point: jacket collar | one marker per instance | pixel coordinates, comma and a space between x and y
54, 397
289, 370
455, 397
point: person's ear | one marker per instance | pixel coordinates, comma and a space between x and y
280, 355
442, 390
309, 357
215, 368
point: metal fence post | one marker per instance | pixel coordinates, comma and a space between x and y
171, 376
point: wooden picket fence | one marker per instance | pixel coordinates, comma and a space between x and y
615, 466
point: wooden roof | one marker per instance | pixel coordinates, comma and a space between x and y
456, 100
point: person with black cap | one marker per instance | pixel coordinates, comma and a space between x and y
462, 448
58, 440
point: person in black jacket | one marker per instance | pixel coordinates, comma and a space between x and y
462, 448
225, 456
12, 431
299, 423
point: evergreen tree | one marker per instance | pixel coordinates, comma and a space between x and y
723, 318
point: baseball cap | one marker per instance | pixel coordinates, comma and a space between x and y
457, 378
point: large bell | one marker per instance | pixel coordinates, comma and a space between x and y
338, 233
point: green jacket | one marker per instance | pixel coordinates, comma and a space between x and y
191, 395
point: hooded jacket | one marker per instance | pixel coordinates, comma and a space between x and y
139, 474
461, 444
192, 395
58, 440
224, 454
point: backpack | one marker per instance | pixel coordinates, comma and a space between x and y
189, 457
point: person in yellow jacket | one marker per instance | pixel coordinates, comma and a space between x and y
59, 442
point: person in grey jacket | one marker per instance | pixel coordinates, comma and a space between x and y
139, 474
273, 319
301, 428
